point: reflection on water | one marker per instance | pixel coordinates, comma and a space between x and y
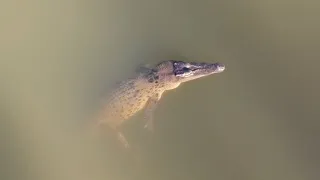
258, 120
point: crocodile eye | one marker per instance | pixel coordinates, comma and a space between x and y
185, 69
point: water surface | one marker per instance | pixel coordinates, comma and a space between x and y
257, 120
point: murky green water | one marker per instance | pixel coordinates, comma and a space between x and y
258, 120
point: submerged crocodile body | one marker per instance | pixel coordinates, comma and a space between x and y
145, 90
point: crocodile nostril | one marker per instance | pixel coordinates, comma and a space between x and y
220, 67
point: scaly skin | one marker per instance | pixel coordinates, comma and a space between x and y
145, 90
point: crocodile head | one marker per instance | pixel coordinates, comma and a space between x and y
181, 71
185, 71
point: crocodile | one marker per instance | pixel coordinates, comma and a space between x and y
145, 90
